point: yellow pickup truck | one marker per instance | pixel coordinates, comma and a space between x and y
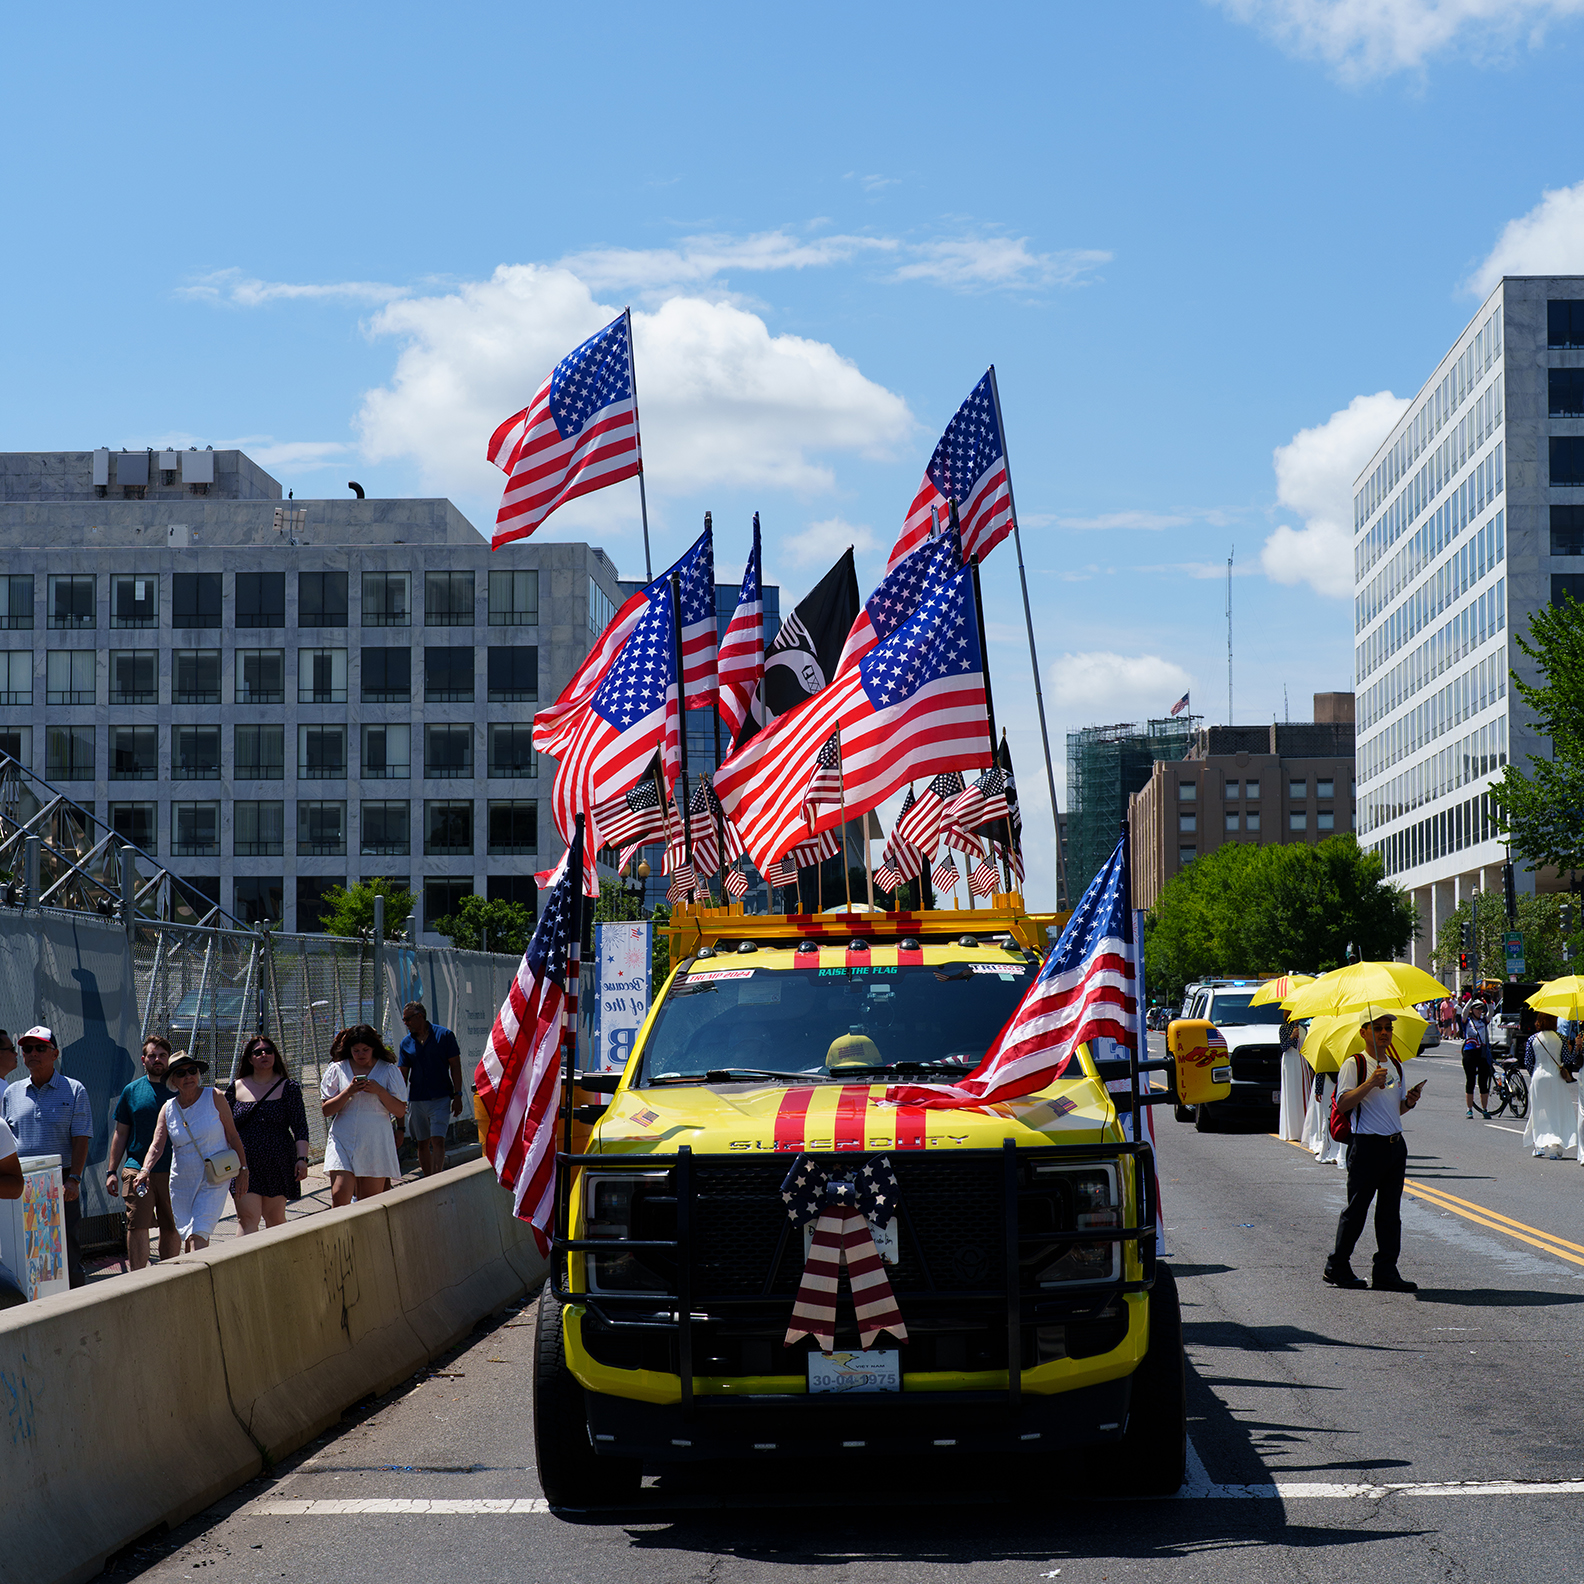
1018, 1240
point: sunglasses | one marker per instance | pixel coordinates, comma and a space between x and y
179, 1073
30, 1049
1384, 1025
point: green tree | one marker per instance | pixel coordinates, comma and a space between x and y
660, 949
1542, 811
351, 911
1539, 922
616, 904
1244, 910
478, 925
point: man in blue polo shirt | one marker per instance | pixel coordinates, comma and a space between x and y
136, 1113
51, 1115
431, 1062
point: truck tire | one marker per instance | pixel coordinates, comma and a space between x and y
1152, 1459
570, 1475
1203, 1121
1183, 1113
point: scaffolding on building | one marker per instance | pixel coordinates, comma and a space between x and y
1105, 766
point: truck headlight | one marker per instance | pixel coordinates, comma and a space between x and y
1095, 1204
629, 1205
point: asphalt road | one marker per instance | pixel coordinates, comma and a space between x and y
1336, 1435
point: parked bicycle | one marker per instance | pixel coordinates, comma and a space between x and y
1509, 1089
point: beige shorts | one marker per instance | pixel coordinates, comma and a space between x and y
154, 1205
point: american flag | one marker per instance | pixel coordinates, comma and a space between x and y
557, 724
887, 879
969, 467
825, 785
636, 817
578, 434
993, 806
632, 713
966, 809
944, 874
964, 841
826, 845
900, 854
518, 1079
702, 809
682, 882
783, 872
1085, 991
900, 591
741, 663
983, 880
737, 883
919, 825
914, 705
1180, 705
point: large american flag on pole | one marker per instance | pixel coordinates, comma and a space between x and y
742, 655
578, 434
914, 705
969, 467
1087, 990
518, 1079
899, 593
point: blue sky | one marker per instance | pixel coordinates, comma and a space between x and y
1190, 237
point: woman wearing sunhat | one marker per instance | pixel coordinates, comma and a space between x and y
1552, 1129
198, 1126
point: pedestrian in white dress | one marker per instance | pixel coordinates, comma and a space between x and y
360, 1094
198, 1126
1294, 1091
1552, 1129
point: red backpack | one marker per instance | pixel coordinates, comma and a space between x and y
1342, 1121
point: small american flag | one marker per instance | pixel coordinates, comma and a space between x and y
826, 845
682, 882
783, 872
1085, 991
964, 841
944, 874
888, 879
1180, 705
636, 816
984, 880
825, 785
969, 467
578, 434
737, 883
920, 820
741, 660
518, 1080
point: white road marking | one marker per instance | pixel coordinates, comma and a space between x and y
1500, 1128
373, 1504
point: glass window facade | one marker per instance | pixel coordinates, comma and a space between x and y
513, 674
387, 599
387, 676
196, 599
321, 676
514, 599
258, 829
321, 599
387, 751
134, 676
448, 675
321, 828
70, 676
134, 600
260, 753
260, 676
448, 829
448, 599
72, 603
195, 676
260, 600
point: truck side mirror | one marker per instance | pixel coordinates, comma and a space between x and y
1203, 1068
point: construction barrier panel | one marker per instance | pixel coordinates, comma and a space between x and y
139, 1401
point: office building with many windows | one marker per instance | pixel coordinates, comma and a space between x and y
275, 697
1468, 519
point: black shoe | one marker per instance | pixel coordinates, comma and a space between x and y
1342, 1276
1392, 1282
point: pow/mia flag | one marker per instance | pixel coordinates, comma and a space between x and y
805, 652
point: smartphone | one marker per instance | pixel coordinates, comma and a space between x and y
1417, 1087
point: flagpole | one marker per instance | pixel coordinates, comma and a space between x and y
984, 660
841, 799
676, 658
1028, 617
1006, 852
643, 498
569, 1014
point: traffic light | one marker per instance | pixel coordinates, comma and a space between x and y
1466, 938
1510, 893
1567, 931
1463, 962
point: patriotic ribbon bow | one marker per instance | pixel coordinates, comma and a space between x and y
841, 1209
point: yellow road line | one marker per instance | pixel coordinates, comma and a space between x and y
1546, 1242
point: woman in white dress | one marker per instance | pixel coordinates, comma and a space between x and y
1552, 1128
360, 1095
198, 1126
1294, 1090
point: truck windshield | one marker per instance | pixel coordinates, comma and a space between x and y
813, 1022
1230, 1011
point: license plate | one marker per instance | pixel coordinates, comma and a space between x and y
875, 1370
1275, 1096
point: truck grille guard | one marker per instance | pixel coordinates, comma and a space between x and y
680, 1310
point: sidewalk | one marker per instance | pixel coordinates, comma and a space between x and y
315, 1197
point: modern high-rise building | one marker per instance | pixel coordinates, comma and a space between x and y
271, 697
1468, 519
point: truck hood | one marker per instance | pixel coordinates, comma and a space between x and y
746, 1118
1240, 1035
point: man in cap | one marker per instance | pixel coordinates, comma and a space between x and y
50, 1115
1377, 1157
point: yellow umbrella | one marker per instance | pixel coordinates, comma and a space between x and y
1564, 997
1362, 986
1274, 990
1331, 1040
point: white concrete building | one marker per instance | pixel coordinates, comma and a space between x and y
1467, 519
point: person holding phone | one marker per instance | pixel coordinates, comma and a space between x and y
359, 1096
1371, 1087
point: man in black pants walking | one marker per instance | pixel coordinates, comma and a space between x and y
1377, 1158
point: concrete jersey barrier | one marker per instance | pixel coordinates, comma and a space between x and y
140, 1401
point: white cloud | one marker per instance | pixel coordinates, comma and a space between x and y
1549, 240
723, 400
873, 184
698, 259
965, 263
244, 291
1099, 688
822, 542
1315, 471
1133, 519
1364, 39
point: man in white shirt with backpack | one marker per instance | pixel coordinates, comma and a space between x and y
1371, 1089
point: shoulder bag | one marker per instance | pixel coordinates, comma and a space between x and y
220, 1167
